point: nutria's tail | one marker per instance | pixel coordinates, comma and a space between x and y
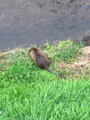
55, 73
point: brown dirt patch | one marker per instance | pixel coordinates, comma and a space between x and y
80, 67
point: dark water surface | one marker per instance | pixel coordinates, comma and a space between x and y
25, 22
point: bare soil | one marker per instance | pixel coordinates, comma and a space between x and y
80, 67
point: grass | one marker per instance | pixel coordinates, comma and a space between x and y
64, 51
30, 93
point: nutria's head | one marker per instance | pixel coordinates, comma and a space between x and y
33, 49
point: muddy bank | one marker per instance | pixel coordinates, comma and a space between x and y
32, 22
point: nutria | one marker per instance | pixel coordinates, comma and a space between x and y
40, 59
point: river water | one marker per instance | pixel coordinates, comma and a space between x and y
26, 22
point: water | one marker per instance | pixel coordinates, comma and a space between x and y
32, 22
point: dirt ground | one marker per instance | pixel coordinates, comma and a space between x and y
80, 67
25, 22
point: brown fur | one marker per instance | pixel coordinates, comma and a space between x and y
40, 59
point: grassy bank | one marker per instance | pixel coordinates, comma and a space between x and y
30, 93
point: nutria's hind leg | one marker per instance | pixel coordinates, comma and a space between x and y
49, 62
